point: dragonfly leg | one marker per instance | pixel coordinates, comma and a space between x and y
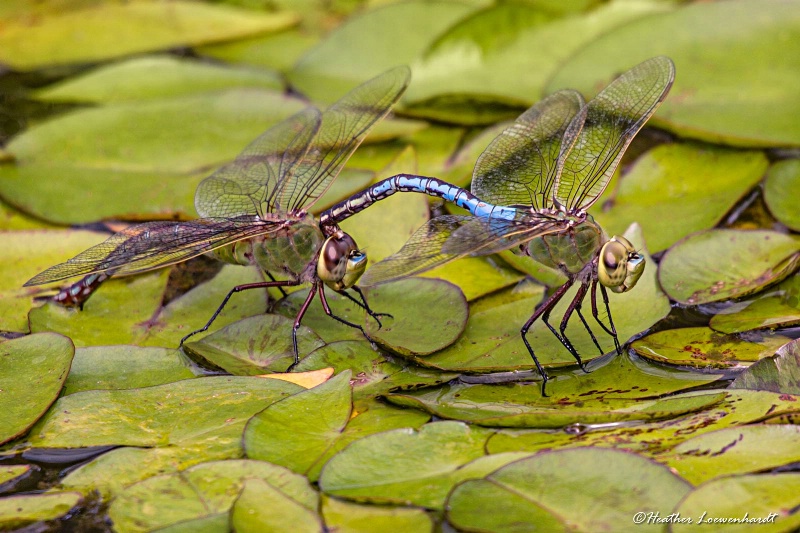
365, 305
280, 287
327, 309
543, 309
238, 288
612, 331
575, 306
300, 314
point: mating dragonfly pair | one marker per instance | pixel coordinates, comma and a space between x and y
530, 191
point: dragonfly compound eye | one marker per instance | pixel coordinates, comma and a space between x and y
620, 265
340, 262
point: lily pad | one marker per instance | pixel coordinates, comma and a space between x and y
690, 271
559, 487
255, 345
264, 507
736, 450
158, 163
781, 185
9, 474
705, 348
663, 185
143, 78
780, 307
203, 491
278, 51
347, 516
743, 503
177, 413
715, 98
34, 370
102, 31
24, 509
124, 367
779, 373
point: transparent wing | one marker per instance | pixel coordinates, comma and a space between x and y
422, 252
521, 164
153, 245
613, 118
484, 236
344, 126
248, 185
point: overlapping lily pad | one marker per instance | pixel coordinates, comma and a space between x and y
555, 489
705, 348
105, 30
781, 187
779, 307
721, 264
347, 516
22, 510
34, 370
779, 373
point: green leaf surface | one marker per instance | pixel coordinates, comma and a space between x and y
691, 186
779, 373
24, 509
583, 490
9, 473
763, 502
476, 276
737, 450
263, 507
735, 61
425, 465
781, 187
707, 266
392, 34
278, 51
34, 370
705, 348
255, 345
177, 413
203, 491
356, 518
30, 252
157, 76
780, 307
106, 30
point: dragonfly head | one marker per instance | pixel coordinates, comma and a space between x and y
620, 266
340, 262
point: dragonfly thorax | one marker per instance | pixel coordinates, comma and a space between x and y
340, 262
619, 265
568, 250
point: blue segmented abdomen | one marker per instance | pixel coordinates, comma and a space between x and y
411, 183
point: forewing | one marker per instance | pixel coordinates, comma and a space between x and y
153, 245
422, 252
344, 126
484, 236
248, 185
613, 118
521, 164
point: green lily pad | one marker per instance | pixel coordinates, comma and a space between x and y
124, 367
159, 163
425, 464
481, 69
34, 370
737, 450
780, 307
779, 373
143, 78
24, 509
347, 516
63, 36
29, 252
476, 276
743, 503
204, 491
172, 414
255, 345
705, 348
492, 342
278, 51
10, 473
392, 34
264, 507
560, 486
15, 220
663, 185
734, 80
781, 186
488, 406
690, 273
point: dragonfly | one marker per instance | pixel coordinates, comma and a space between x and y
255, 211
530, 192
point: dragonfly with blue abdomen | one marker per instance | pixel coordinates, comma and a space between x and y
531, 188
